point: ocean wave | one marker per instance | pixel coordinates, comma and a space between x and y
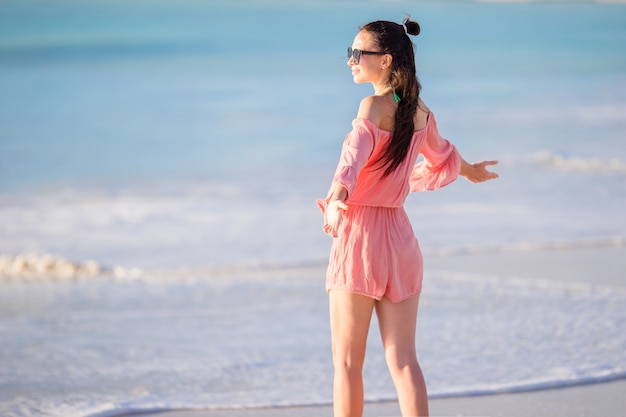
576, 163
46, 267
581, 243
32, 267
592, 114
567, 378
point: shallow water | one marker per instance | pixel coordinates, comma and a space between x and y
260, 338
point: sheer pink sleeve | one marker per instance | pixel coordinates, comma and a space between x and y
355, 153
441, 164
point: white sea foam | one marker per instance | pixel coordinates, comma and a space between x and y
591, 114
42, 267
581, 164
587, 242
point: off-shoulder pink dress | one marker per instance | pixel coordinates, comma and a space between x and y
375, 252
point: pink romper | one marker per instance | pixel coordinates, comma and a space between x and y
375, 252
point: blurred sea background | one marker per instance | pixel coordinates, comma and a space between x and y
180, 146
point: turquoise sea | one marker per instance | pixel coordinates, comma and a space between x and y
181, 145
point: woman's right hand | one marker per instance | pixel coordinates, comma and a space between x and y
478, 172
334, 216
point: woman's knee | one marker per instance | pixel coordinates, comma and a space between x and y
349, 359
399, 359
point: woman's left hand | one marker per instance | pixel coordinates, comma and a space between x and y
477, 172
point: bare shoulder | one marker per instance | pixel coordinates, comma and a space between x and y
421, 115
422, 106
380, 111
372, 108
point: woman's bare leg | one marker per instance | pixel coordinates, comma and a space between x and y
397, 329
350, 316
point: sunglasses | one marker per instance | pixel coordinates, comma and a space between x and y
356, 54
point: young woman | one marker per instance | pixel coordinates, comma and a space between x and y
375, 261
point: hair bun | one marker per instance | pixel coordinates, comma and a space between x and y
412, 28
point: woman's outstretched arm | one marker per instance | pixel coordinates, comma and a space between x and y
477, 172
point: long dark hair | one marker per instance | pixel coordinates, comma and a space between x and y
392, 39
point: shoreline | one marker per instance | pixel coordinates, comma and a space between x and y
602, 399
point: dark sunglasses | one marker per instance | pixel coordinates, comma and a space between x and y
356, 54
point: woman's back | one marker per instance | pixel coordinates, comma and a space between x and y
381, 111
